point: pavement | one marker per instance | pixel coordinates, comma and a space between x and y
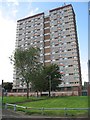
12, 114
16, 115
8, 114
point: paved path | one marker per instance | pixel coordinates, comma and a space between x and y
9, 114
14, 115
17, 114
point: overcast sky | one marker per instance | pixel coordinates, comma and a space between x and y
10, 12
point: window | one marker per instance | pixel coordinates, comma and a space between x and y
73, 52
41, 35
53, 52
69, 49
65, 10
63, 30
66, 74
67, 82
76, 74
68, 42
69, 57
66, 22
64, 36
75, 57
70, 65
61, 58
65, 16
77, 78
31, 37
69, 88
29, 21
57, 59
70, 73
67, 35
28, 37
71, 82
56, 44
21, 23
28, 44
20, 40
61, 36
20, 28
67, 28
65, 58
38, 24
53, 60
65, 50
66, 66
20, 34
41, 54
57, 51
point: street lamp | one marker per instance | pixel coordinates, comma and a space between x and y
49, 85
89, 11
2, 93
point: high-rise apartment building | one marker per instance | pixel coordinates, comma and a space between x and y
56, 35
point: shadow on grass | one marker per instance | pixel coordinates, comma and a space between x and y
32, 99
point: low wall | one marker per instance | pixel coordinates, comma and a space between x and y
65, 93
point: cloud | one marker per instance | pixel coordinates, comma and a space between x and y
15, 2
10, 8
32, 12
14, 12
8, 16
7, 45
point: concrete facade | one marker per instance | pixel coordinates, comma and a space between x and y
56, 35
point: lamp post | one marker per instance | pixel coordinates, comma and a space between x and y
89, 11
2, 93
49, 82
49, 85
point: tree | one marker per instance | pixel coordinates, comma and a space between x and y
54, 77
8, 86
39, 82
47, 78
26, 63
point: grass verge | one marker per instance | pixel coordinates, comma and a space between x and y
55, 102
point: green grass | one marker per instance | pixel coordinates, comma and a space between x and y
15, 99
62, 102
55, 102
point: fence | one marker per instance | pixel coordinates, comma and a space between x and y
43, 109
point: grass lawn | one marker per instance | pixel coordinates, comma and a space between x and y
15, 99
55, 102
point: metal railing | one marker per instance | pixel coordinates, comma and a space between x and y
43, 109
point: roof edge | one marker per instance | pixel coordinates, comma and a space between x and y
60, 8
30, 17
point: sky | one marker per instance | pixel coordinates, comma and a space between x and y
13, 10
